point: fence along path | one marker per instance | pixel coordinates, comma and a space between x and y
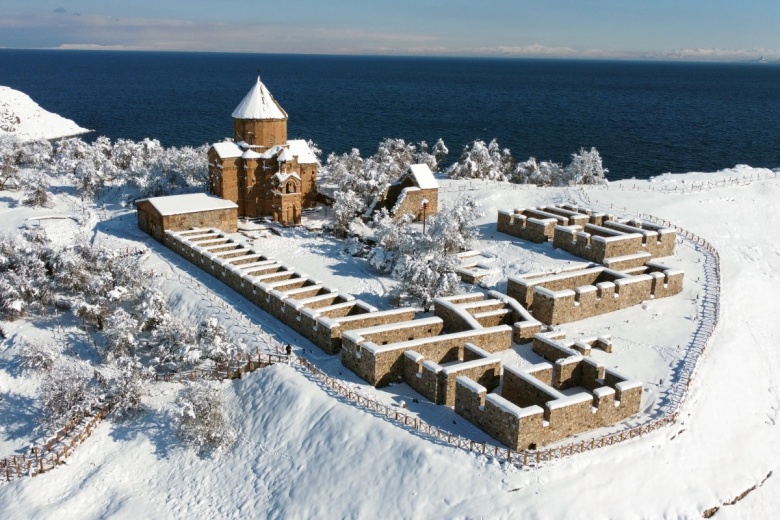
39, 459
56, 448
745, 180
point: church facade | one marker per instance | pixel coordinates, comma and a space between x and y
263, 172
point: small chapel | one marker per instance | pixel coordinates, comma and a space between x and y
259, 169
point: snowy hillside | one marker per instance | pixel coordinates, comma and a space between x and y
303, 453
20, 116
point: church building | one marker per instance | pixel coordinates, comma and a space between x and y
259, 169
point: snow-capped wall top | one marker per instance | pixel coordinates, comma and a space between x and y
20, 116
259, 104
423, 177
188, 203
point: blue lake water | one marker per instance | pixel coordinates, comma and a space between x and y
645, 118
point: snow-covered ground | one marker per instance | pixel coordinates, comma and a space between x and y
22, 117
304, 453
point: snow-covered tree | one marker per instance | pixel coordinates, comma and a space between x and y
36, 189
129, 386
348, 206
586, 168
453, 228
425, 277
424, 264
543, 173
120, 334
215, 342
483, 161
62, 393
175, 340
440, 152
202, 420
392, 237
38, 355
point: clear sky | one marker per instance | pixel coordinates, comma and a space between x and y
657, 29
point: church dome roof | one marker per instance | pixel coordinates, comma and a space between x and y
259, 104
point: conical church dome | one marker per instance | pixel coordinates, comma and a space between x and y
259, 104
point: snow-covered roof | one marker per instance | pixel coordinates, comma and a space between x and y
259, 104
251, 154
423, 177
285, 156
227, 149
188, 203
284, 176
300, 149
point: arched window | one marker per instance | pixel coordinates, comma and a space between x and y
290, 187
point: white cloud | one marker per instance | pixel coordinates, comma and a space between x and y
110, 33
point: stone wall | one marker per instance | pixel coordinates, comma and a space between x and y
532, 411
410, 203
383, 364
592, 235
437, 383
583, 293
517, 224
452, 368
472, 311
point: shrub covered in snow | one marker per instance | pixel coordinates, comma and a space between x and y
129, 386
586, 168
215, 342
202, 420
120, 334
38, 355
25, 275
175, 340
490, 162
63, 393
483, 161
36, 189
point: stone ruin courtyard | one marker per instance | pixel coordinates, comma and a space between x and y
638, 342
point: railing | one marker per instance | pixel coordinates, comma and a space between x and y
661, 187
53, 451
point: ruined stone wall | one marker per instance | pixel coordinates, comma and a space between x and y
473, 311
437, 383
516, 224
383, 364
521, 288
524, 389
532, 414
564, 298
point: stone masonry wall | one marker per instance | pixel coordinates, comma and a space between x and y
564, 298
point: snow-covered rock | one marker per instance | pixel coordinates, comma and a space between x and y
24, 118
